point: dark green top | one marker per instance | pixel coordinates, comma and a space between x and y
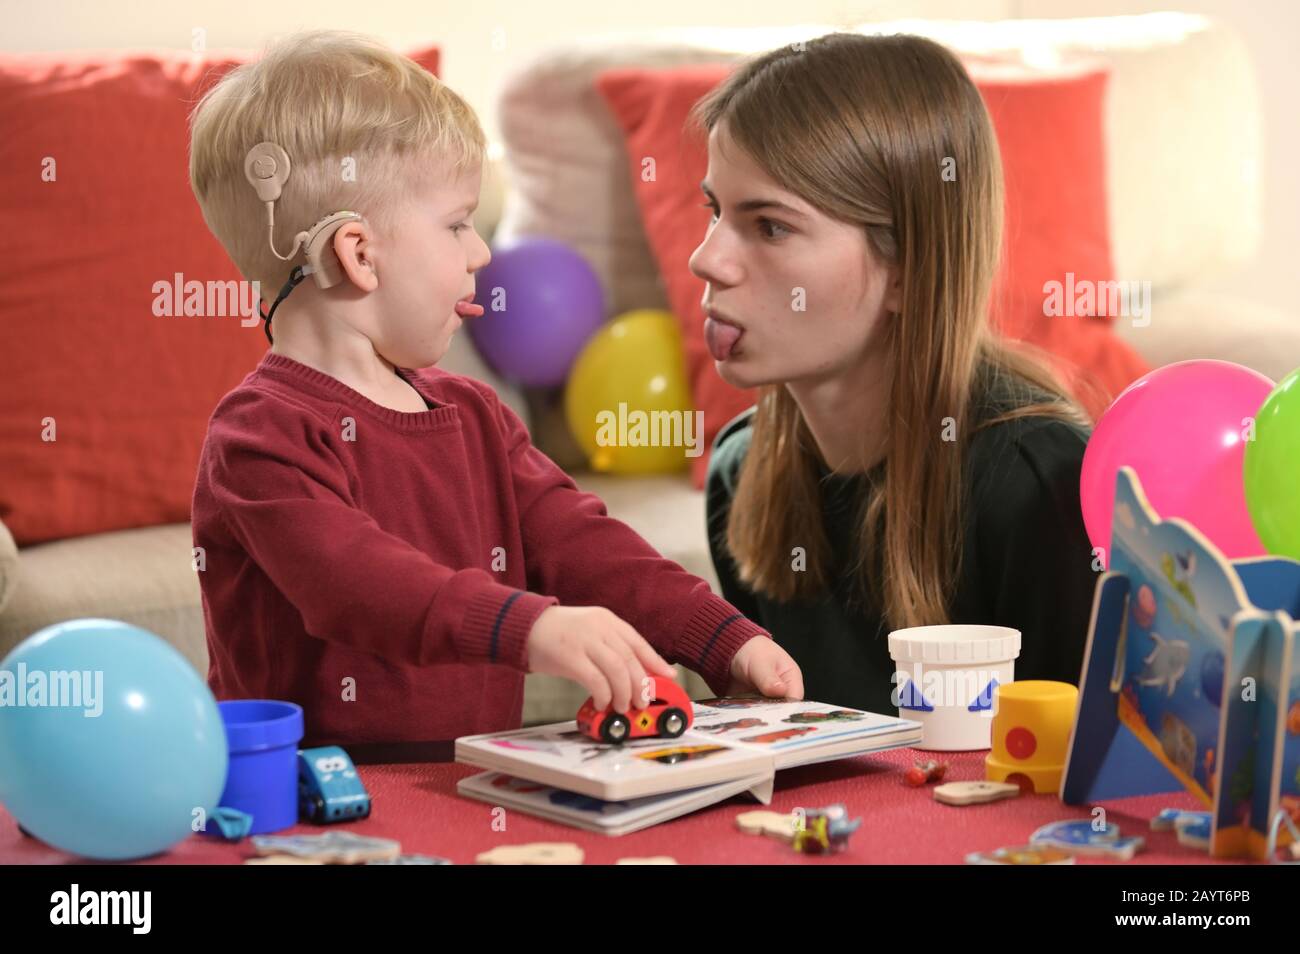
1027, 562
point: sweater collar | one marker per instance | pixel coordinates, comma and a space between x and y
308, 379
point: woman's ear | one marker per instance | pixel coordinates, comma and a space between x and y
893, 300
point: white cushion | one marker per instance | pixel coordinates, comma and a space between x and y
1195, 324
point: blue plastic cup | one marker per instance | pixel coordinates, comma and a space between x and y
262, 781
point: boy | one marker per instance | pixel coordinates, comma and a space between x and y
383, 545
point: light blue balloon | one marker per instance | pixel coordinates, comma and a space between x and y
122, 769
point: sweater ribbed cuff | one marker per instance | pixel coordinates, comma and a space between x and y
497, 624
711, 638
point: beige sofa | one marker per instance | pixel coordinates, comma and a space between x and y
1184, 141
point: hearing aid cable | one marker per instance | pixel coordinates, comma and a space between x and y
298, 274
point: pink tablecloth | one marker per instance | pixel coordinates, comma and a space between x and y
417, 805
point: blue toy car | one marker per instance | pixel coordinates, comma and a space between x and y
329, 789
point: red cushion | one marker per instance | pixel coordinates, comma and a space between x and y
129, 394
1049, 131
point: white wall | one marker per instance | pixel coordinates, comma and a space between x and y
483, 39
1271, 29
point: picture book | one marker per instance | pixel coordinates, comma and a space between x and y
595, 814
730, 739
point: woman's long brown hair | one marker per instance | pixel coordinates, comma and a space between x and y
863, 128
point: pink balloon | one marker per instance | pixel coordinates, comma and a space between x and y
1181, 428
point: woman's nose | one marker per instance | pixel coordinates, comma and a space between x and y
711, 262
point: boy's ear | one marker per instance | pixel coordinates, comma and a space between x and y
356, 253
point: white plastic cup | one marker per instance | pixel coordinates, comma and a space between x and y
953, 667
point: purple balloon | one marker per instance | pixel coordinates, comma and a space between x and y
551, 304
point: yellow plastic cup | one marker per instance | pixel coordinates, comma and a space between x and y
1031, 733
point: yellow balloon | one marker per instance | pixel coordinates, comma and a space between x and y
627, 401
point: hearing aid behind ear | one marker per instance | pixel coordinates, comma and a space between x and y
267, 168
323, 264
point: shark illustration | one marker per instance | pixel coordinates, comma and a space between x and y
1166, 663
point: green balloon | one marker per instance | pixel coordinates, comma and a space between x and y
1272, 470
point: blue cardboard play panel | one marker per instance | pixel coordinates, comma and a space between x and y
1191, 679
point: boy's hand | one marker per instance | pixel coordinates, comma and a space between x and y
596, 649
764, 667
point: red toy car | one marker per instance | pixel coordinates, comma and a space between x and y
667, 716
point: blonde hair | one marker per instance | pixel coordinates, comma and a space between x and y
861, 127
325, 96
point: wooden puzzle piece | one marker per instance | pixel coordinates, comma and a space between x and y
974, 793
772, 824
1022, 855
1192, 828
1078, 835
537, 853
412, 860
332, 848
653, 860
281, 860
1170, 819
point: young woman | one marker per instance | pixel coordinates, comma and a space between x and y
902, 466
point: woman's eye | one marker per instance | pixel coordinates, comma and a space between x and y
769, 228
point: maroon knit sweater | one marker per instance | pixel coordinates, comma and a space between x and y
383, 568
